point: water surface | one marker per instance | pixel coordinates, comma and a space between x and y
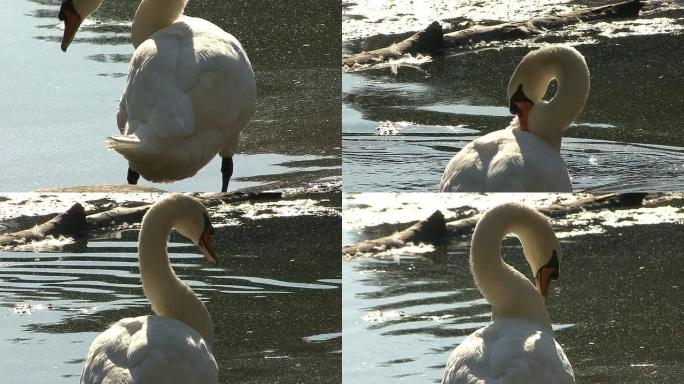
612, 308
274, 298
59, 107
403, 121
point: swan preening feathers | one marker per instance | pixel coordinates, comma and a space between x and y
518, 346
173, 346
525, 157
190, 91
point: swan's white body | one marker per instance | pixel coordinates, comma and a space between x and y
173, 347
526, 157
518, 346
149, 349
508, 160
190, 92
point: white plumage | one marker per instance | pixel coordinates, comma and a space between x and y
518, 346
173, 346
190, 91
508, 160
509, 351
149, 349
525, 157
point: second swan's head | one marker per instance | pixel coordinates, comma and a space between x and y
73, 12
541, 247
531, 79
193, 222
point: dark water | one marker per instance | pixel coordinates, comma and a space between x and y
58, 108
614, 307
274, 299
627, 138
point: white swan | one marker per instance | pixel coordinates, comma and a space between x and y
190, 91
517, 346
525, 157
173, 346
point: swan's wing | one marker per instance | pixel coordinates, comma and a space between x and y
149, 349
153, 104
509, 352
487, 164
219, 80
122, 115
507, 171
465, 171
191, 75
507, 160
190, 92
544, 168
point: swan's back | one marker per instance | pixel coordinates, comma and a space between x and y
149, 349
508, 160
190, 92
509, 351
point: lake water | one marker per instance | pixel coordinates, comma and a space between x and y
403, 121
275, 297
57, 108
613, 308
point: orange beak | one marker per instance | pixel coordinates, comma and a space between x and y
522, 110
206, 245
72, 20
520, 105
550, 271
544, 278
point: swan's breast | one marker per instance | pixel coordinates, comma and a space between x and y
150, 349
509, 351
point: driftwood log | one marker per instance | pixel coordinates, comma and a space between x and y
71, 223
435, 229
77, 224
429, 40
430, 230
432, 40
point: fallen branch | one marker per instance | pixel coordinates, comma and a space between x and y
430, 230
595, 203
121, 215
429, 40
432, 40
74, 223
435, 229
71, 223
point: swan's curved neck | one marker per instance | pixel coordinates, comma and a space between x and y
167, 294
509, 292
554, 117
154, 15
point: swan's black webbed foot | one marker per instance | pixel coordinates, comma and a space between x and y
226, 172
132, 177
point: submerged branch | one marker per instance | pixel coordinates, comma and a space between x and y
432, 40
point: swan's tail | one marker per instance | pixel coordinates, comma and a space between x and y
166, 162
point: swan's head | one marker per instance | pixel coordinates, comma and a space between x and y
532, 77
193, 222
542, 251
527, 87
73, 12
